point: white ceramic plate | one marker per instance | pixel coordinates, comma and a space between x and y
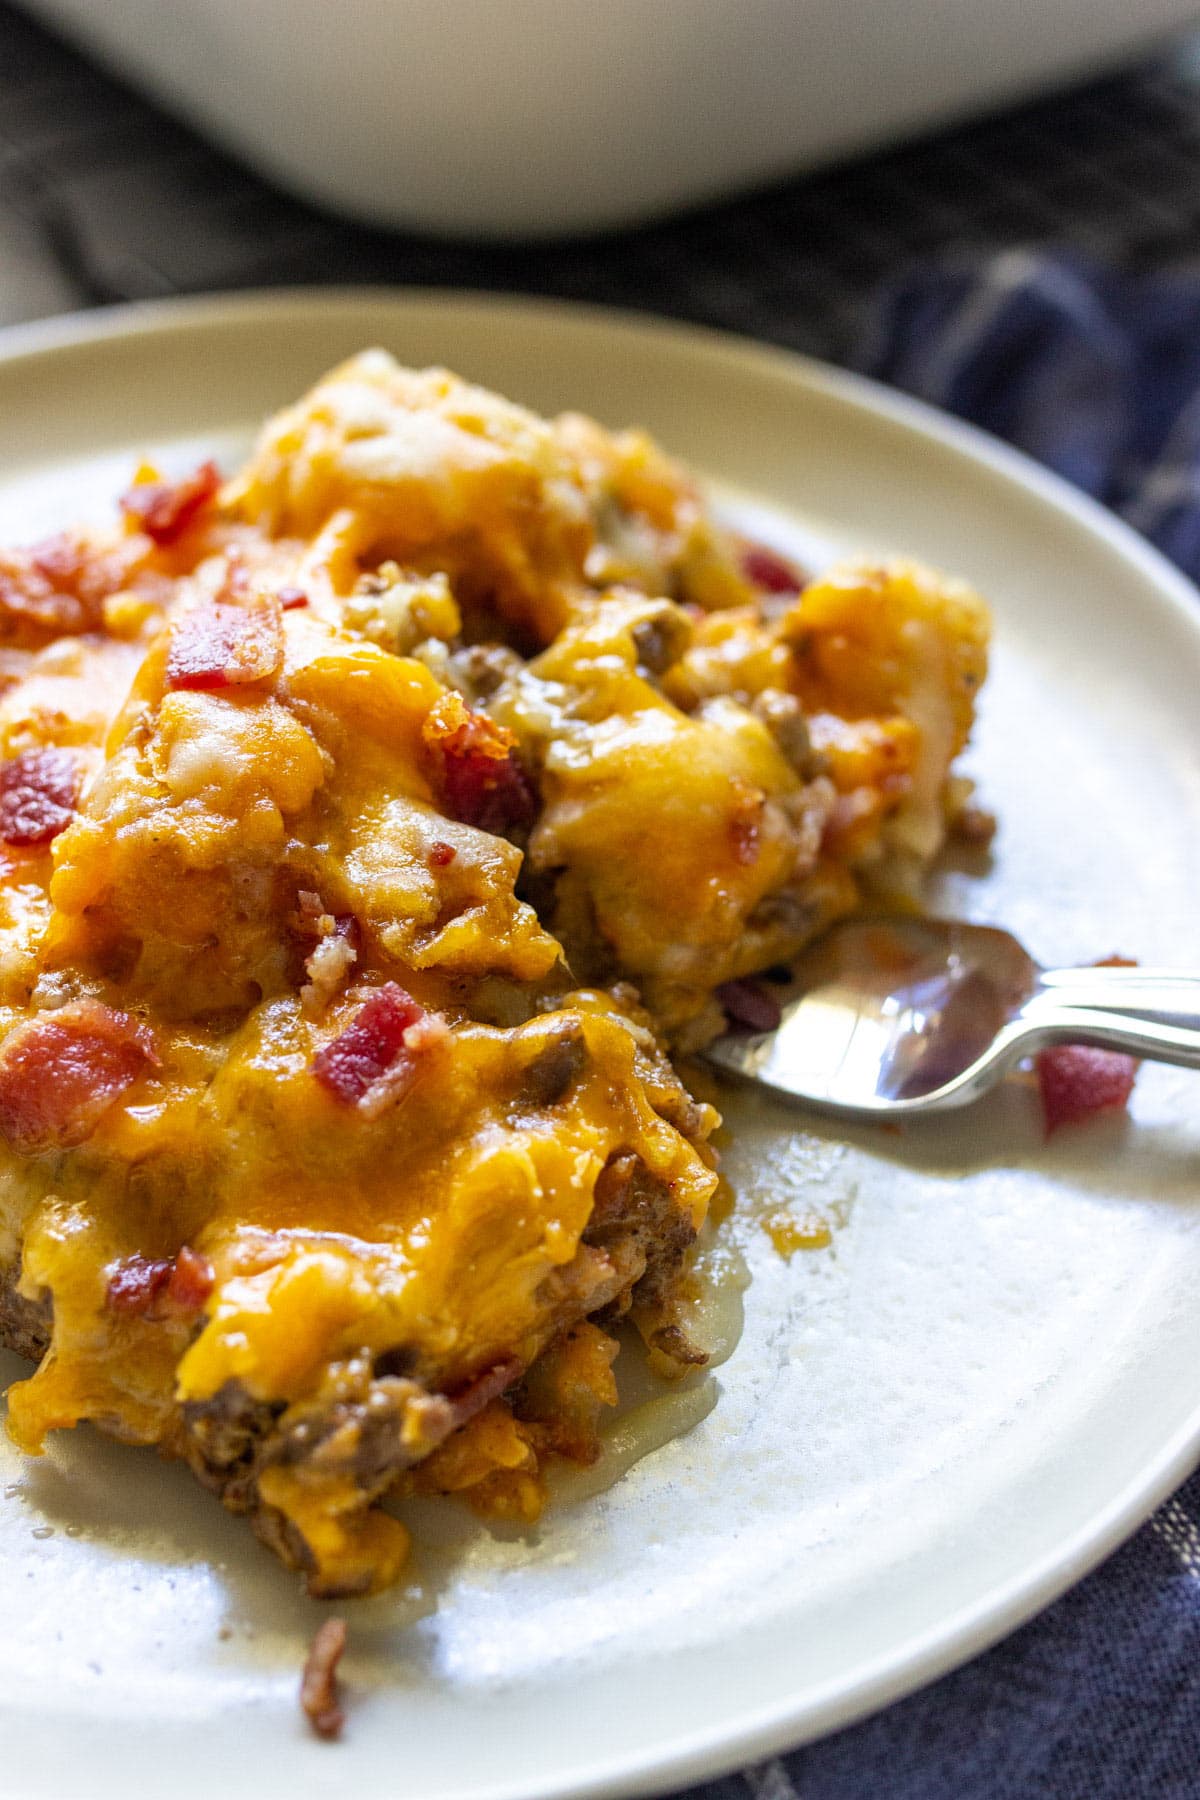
927, 1429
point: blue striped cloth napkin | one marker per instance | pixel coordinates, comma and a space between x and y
1093, 372
1097, 374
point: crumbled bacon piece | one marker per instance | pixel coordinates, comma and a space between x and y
60, 1072
441, 855
374, 1061
482, 1389
1077, 1082
768, 570
192, 1281
749, 1005
218, 645
60, 561
312, 922
57, 588
478, 774
136, 1284
313, 926
38, 791
290, 598
310, 910
164, 510
318, 1684
156, 1288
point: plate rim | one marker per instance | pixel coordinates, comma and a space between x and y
88, 327
712, 1752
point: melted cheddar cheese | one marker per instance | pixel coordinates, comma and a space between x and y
372, 825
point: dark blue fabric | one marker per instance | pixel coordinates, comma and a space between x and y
1097, 374
1098, 1699
1093, 372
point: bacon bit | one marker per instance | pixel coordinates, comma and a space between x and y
373, 1063
164, 510
57, 588
157, 1288
314, 928
483, 1389
291, 597
38, 791
768, 570
192, 1281
310, 910
745, 824
218, 645
441, 855
60, 1073
312, 922
318, 1684
478, 773
1077, 1082
60, 560
135, 1285
749, 1005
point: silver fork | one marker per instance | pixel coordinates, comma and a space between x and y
893, 1018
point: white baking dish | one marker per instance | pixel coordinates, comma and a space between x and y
527, 117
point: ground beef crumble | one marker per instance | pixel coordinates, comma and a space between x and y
319, 1699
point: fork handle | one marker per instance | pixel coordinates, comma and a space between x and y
1153, 1013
